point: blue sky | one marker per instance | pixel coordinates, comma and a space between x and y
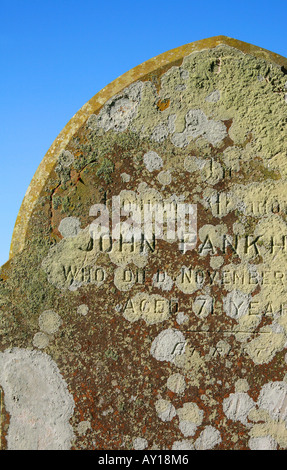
55, 55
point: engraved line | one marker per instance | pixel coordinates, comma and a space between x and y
228, 331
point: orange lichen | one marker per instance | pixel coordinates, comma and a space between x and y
163, 104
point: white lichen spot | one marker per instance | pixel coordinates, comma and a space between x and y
241, 385
164, 178
184, 74
69, 227
124, 279
237, 406
190, 417
165, 410
125, 177
65, 159
83, 427
40, 340
162, 281
262, 443
171, 123
236, 304
213, 97
258, 414
216, 261
152, 161
192, 364
83, 309
197, 124
176, 383
127, 255
273, 398
264, 347
222, 348
139, 443
75, 285
49, 322
160, 133
169, 344
179, 139
192, 163
238, 228
186, 281
38, 401
142, 187
211, 237
208, 439
120, 110
181, 318
184, 444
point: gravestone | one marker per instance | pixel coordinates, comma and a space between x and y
144, 305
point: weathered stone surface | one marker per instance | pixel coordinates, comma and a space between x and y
148, 345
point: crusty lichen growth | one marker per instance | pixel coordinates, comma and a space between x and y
208, 131
244, 83
105, 170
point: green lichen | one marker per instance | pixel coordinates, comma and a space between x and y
56, 202
63, 173
65, 204
111, 354
106, 169
251, 95
87, 153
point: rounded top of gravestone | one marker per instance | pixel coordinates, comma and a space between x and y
144, 305
150, 71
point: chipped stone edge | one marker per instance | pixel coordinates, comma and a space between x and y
163, 61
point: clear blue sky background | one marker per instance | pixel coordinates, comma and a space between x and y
55, 55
